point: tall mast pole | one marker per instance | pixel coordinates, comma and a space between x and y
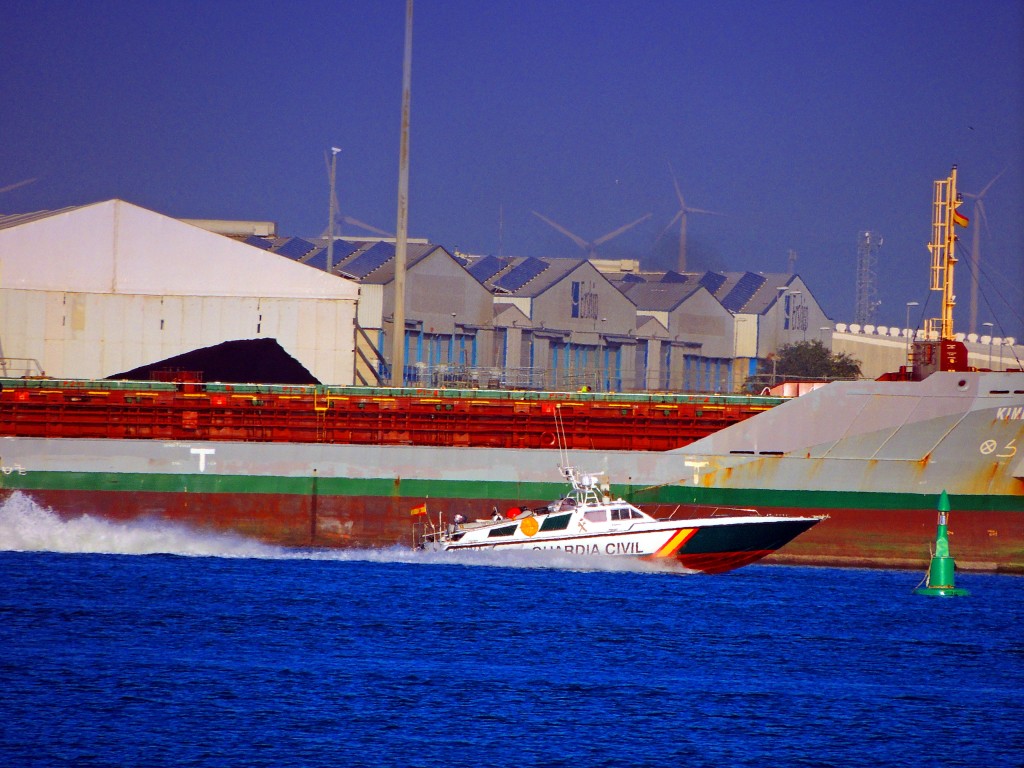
333, 211
402, 231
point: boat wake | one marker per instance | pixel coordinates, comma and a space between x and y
25, 526
28, 527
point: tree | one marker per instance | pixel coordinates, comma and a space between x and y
803, 360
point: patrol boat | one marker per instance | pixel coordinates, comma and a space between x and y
588, 522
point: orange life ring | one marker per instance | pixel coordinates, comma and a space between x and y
547, 439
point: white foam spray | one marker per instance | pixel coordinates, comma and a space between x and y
25, 526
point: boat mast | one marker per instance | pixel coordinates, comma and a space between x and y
943, 250
402, 231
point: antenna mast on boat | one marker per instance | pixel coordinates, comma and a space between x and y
402, 231
943, 250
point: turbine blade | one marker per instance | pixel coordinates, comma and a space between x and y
669, 226
620, 230
367, 227
679, 193
575, 238
985, 188
701, 210
11, 187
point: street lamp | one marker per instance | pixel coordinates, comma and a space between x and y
906, 328
989, 326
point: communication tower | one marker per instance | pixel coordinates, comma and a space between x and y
868, 245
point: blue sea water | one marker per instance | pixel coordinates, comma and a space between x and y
151, 645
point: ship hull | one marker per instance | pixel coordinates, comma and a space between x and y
705, 546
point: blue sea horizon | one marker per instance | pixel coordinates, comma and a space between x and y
153, 645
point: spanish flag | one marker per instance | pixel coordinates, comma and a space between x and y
959, 219
420, 510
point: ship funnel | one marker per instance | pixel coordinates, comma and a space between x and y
940, 581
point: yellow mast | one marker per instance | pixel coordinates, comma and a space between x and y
943, 250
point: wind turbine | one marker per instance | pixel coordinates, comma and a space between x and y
590, 246
681, 214
335, 222
979, 217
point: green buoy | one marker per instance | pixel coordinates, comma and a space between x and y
940, 581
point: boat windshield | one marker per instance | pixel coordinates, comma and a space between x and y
625, 513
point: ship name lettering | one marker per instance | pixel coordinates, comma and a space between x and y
622, 548
1007, 413
575, 549
11, 469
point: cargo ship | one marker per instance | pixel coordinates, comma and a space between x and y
327, 467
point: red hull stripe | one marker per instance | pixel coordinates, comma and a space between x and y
675, 541
720, 562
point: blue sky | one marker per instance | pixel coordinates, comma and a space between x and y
802, 123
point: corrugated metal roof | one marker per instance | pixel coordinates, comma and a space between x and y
526, 270
368, 261
660, 297
713, 281
486, 267
295, 248
674, 277
259, 242
769, 292
16, 219
742, 291
542, 279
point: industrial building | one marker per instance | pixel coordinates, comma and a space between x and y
95, 290
92, 291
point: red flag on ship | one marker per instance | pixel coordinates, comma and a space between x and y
959, 219
420, 510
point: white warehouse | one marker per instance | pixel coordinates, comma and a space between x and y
95, 290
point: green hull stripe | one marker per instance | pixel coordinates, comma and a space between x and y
299, 486
817, 500
471, 489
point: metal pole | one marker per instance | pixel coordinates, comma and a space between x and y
402, 231
333, 211
907, 330
990, 327
451, 356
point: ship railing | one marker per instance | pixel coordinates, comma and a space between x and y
427, 531
456, 376
20, 367
669, 511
